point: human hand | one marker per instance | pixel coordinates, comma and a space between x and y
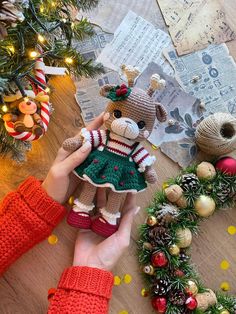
60, 182
93, 251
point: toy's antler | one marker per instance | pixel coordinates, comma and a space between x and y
131, 73
155, 83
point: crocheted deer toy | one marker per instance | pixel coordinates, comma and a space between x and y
118, 160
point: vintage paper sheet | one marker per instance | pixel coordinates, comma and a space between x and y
215, 73
136, 42
109, 14
184, 114
194, 24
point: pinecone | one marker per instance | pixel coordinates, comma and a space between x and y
184, 257
159, 236
161, 287
224, 191
177, 297
167, 213
189, 181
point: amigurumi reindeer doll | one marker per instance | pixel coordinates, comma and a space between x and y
118, 160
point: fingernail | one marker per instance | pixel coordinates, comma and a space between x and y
85, 147
137, 210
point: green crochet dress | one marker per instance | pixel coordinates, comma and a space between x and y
104, 168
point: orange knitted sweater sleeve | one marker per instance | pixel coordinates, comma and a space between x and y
27, 216
82, 290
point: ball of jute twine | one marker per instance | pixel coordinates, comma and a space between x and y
216, 134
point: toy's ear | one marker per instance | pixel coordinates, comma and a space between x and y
161, 113
42, 97
104, 91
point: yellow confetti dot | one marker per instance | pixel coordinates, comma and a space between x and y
232, 230
71, 200
52, 239
144, 293
225, 286
165, 185
127, 278
123, 312
154, 147
224, 265
117, 281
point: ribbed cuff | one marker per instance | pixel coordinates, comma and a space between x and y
87, 279
42, 204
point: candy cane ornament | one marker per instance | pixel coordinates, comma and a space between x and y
44, 110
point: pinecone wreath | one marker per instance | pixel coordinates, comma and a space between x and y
10, 14
159, 236
189, 181
177, 297
161, 287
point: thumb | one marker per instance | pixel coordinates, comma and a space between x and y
76, 158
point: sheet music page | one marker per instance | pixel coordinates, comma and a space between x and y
194, 24
136, 42
215, 73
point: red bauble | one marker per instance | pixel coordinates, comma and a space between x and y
179, 273
159, 259
191, 303
159, 304
227, 165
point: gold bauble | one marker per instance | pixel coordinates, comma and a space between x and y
206, 170
151, 221
148, 269
205, 206
224, 312
147, 246
173, 193
71, 200
184, 237
174, 250
192, 287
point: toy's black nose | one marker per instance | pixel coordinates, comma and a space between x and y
28, 103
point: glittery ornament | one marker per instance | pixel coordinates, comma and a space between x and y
147, 246
191, 287
71, 200
174, 250
204, 206
184, 237
191, 303
148, 269
224, 312
178, 273
159, 259
159, 304
151, 221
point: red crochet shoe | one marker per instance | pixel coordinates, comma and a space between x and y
102, 227
80, 220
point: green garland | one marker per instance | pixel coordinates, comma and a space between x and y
169, 283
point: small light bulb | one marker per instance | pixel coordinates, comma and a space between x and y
41, 38
4, 108
33, 54
41, 9
47, 90
72, 25
11, 49
69, 60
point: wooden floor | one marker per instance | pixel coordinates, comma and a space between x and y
23, 288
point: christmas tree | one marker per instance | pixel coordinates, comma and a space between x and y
26, 24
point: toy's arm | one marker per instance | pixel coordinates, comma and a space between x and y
95, 137
9, 117
37, 119
143, 159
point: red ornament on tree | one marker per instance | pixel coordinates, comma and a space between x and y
227, 165
179, 273
159, 304
191, 303
159, 259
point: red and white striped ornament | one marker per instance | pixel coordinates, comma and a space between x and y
44, 110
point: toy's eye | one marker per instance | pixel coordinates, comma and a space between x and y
141, 125
117, 114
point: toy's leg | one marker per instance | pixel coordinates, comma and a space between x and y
106, 224
19, 126
79, 215
37, 130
